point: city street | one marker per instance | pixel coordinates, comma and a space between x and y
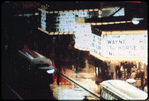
85, 78
74, 50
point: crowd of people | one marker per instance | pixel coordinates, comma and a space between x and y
126, 71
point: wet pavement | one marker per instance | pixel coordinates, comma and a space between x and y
67, 90
85, 76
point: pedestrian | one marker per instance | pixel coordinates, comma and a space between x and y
133, 74
58, 66
128, 69
108, 77
119, 75
111, 75
117, 69
142, 78
146, 89
134, 69
86, 99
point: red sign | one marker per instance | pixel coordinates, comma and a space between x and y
133, 1
25, 5
30, 4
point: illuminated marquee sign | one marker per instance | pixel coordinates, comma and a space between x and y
53, 22
120, 45
96, 44
64, 21
128, 45
111, 45
83, 37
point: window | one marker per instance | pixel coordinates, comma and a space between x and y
111, 98
40, 65
101, 92
108, 96
105, 95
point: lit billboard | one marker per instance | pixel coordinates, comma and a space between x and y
127, 45
64, 21
122, 45
83, 37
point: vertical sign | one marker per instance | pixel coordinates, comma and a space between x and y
96, 44
83, 36
43, 20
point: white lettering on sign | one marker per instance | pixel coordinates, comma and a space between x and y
83, 36
116, 41
128, 45
66, 21
96, 42
43, 20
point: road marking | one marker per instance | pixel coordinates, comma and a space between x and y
15, 92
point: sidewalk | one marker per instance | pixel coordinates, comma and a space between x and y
85, 77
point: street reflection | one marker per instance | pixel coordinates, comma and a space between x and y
69, 91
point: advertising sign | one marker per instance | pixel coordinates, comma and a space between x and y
96, 43
83, 37
64, 21
128, 45
120, 45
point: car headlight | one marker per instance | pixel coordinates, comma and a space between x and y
50, 71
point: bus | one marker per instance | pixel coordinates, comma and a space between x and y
120, 90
